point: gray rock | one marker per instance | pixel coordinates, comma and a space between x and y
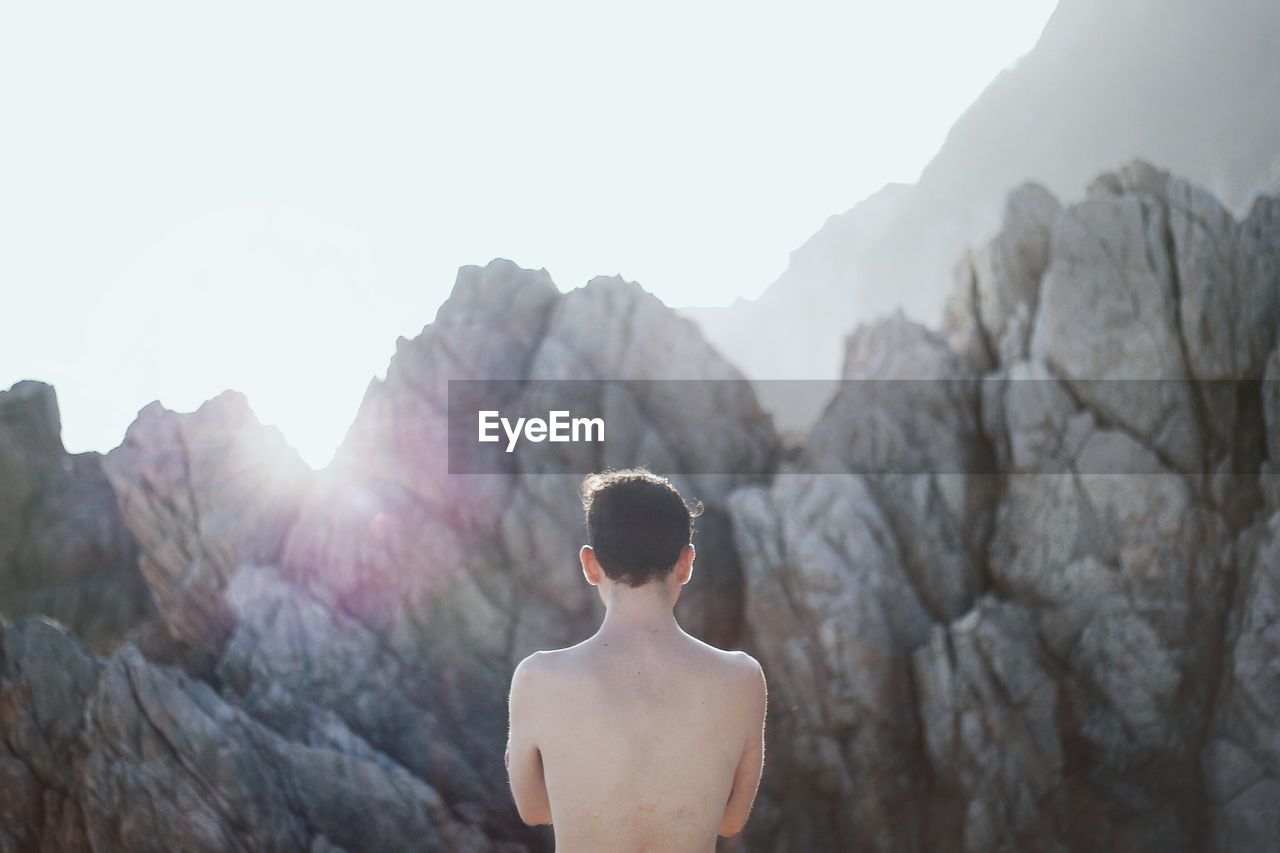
907, 416
1109, 311
1269, 469
997, 287
45, 681
832, 618
847, 566
961, 326
64, 548
1242, 751
1125, 573
122, 754
203, 494
992, 733
1107, 537
1008, 268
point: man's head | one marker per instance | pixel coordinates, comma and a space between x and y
639, 527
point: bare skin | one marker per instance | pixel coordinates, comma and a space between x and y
641, 738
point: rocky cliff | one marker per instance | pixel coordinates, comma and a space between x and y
1009, 606
1037, 647
1178, 81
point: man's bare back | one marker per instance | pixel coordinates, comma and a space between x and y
641, 738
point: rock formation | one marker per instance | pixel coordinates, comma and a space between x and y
1167, 86
64, 549
1073, 674
123, 754
365, 620
1017, 590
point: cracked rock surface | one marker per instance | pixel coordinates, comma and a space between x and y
1066, 640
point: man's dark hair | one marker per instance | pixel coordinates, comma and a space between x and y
637, 523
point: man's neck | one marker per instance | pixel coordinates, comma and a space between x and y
641, 610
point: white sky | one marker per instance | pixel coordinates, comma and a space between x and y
263, 196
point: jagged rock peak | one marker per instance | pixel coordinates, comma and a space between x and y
64, 549
499, 286
29, 415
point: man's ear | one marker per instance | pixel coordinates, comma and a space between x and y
590, 565
684, 567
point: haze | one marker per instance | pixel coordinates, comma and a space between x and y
264, 198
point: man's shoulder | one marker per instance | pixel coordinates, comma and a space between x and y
735, 665
542, 664
529, 680
744, 662
744, 667
748, 681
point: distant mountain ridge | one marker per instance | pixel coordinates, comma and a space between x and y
1186, 85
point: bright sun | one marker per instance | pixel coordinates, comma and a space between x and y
248, 299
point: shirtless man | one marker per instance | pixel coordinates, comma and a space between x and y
640, 738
